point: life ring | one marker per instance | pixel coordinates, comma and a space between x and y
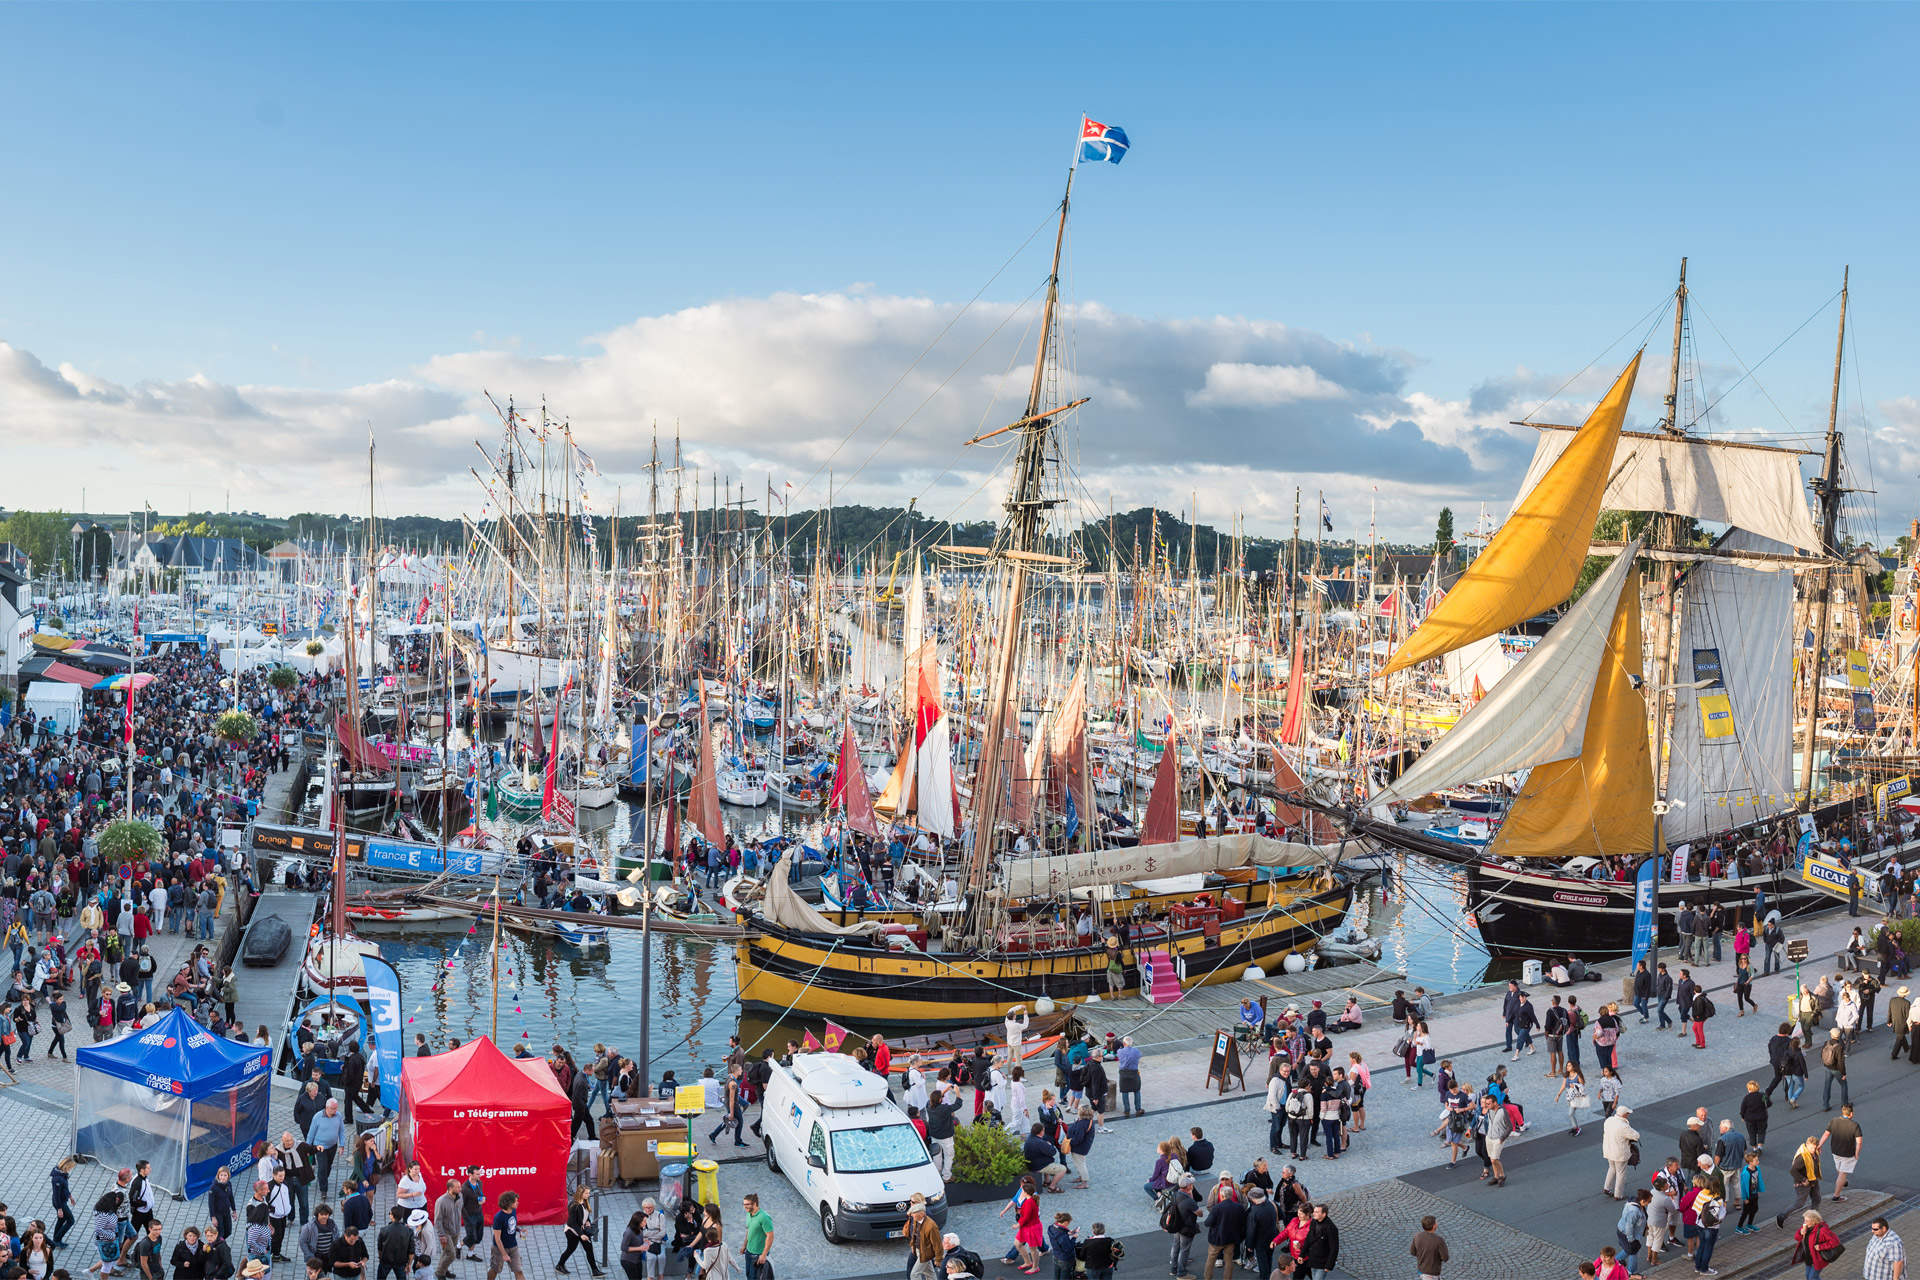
1203, 899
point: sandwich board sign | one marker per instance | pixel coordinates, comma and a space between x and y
1223, 1062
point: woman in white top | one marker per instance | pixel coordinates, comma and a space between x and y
1018, 1121
916, 1085
410, 1190
997, 1085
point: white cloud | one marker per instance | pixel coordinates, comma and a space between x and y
1262, 386
792, 384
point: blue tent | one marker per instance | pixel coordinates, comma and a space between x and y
175, 1094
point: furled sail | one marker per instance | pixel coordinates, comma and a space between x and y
1601, 801
1748, 486
1731, 758
1041, 877
1535, 558
1538, 713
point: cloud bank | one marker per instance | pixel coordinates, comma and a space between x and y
881, 389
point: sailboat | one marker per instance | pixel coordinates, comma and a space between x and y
1621, 762
1011, 939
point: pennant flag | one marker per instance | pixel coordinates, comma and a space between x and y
808, 1043
836, 1035
1102, 142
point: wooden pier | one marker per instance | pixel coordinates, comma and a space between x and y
1203, 1010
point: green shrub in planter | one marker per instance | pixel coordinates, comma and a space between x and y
986, 1154
235, 726
130, 839
283, 678
315, 648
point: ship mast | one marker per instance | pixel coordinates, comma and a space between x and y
1666, 652
1018, 540
1827, 489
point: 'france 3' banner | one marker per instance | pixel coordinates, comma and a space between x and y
383, 998
1646, 891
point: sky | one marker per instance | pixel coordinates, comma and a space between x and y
1348, 246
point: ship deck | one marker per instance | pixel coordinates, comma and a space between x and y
1203, 1010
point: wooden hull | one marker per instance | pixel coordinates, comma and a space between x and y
879, 988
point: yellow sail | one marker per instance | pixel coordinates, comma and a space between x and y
1533, 562
1601, 801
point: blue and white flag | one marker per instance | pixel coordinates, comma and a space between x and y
383, 998
1646, 897
1102, 142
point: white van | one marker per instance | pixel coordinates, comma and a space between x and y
845, 1147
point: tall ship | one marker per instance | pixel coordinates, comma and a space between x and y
1009, 929
1615, 755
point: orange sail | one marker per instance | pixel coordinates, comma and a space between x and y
1600, 802
1295, 723
1533, 562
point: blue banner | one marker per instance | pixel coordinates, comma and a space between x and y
1646, 897
383, 998
404, 855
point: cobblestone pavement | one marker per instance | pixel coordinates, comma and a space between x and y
1364, 1185
1377, 1222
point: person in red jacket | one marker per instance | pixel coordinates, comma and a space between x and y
1814, 1243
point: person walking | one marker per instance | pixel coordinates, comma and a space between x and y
1899, 1015
1844, 1139
1509, 1010
1554, 1026
1181, 1220
1499, 1129
1833, 1056
1617, 1140
1747, 1187
1323, 1244
579, 1231
1525, 1021
1573, 1088
1753, 1113
1702, 1010
1631, 1230
1429, 1249
1642, 990
1805, 1168
1663, 993
1814, 1244
1886, 1256
446, 1222
1263, 1225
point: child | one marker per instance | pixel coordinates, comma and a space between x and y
1609, 1091
1747, 1188
1064, 1245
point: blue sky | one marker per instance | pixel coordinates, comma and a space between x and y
301, 217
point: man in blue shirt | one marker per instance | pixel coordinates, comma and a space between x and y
325, 1132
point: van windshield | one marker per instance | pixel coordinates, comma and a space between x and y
877, 1149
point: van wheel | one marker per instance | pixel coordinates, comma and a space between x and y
828, 1227
773, 1162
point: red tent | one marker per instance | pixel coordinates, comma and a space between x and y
475, 1105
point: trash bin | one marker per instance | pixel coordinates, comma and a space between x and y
707, 1174
671, 1177
673, 1151
1530, 973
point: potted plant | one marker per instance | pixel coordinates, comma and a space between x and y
129, 840
987, 1164
315, 648
235, 726
283, 678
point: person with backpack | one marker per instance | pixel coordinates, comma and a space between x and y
1555, 1029
1833, 1056
1101, 1252
1180, 1218
1702, 1010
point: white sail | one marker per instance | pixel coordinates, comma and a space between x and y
1746, 486
1042, 877
1731, 761
1483, 660
1536, 714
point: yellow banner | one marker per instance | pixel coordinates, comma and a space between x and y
1858, 676
1716, 716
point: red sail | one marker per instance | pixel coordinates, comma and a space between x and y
361, 753
703, 805
1163, 806
1295, 723
850, 789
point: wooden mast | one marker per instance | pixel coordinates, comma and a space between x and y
1665, 651
1020, 534
1827, 489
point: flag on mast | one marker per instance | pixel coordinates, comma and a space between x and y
1102, 142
